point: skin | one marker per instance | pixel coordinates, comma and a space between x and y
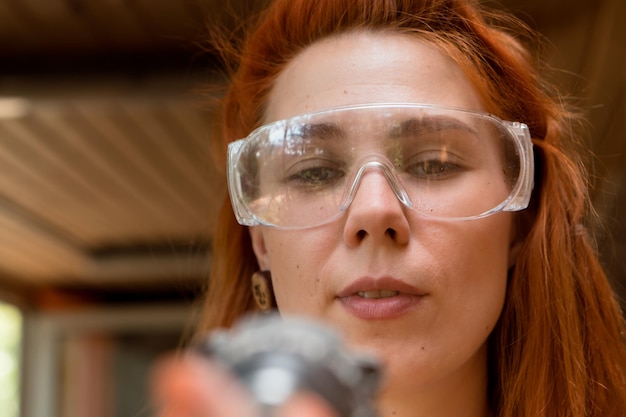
451, 276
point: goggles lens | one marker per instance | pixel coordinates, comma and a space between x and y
441, 162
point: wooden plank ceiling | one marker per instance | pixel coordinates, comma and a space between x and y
105, 178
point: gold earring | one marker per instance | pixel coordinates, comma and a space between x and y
262, 290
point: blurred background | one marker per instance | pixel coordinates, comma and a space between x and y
108, 193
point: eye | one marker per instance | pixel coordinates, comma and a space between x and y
312, 175
437, 167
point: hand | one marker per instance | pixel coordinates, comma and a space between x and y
188, 386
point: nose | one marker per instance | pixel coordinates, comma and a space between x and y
375, 212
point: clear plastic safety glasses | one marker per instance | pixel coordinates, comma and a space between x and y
443, 163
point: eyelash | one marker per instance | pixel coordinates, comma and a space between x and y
315, 173
432, 169
329, 176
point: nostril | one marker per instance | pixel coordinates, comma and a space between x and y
392, 233
361, 234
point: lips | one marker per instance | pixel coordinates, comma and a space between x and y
379, 288
380, 299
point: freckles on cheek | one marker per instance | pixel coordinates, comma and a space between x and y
302, 263
476, 264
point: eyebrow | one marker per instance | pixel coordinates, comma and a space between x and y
431, 124
324, 131
414, 126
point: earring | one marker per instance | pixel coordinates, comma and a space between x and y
262, 290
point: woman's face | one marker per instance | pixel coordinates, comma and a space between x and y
423, 294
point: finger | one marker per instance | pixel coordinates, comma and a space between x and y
189, 386
306, 405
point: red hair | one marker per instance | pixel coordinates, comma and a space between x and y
558, 349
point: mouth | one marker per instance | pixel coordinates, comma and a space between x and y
377, 294
377, 288
380, 299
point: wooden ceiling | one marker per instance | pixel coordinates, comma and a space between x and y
106, 184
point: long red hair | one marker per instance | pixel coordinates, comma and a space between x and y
558, 349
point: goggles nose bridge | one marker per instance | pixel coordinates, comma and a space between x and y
368, 164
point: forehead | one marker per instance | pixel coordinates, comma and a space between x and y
363, 67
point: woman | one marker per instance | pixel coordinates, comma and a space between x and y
382, 199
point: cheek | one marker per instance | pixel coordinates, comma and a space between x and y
297, 266
478, 271
483, 245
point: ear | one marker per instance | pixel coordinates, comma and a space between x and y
260, 249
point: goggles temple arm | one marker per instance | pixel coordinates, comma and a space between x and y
244, 217
520, 197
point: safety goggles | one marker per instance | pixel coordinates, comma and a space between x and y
440, 162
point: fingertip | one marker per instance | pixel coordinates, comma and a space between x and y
187, 385
306, 405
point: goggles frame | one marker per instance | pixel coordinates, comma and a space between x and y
517, 200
